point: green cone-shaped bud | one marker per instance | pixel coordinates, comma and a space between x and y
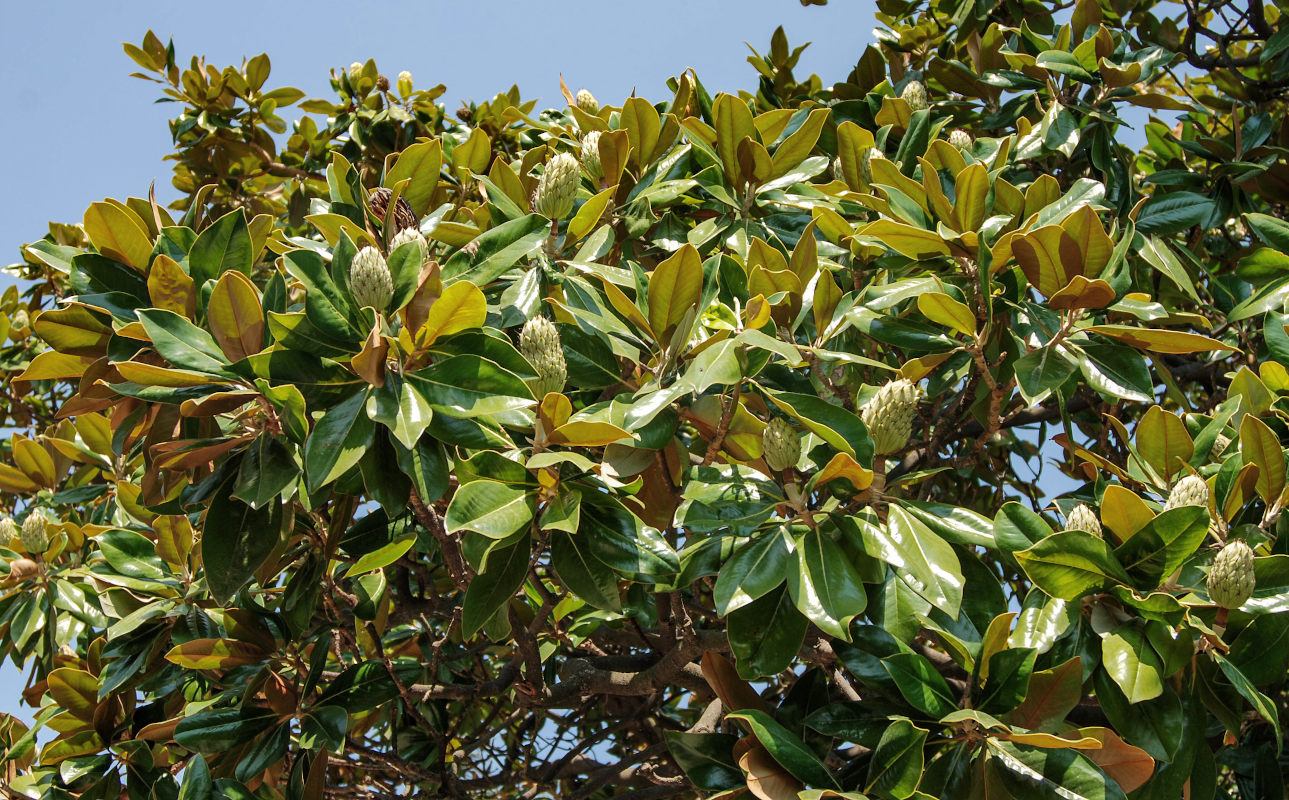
8, 532
19, 325
1189, 491
591, 155
411, 235
34, 538
915, 95
404, 83
1230, 581
1083, 518
539, 342
1219, 445
960, 139
889, 416
355, 72
587, 102
557, 187
866, 163
369, 279
780, 445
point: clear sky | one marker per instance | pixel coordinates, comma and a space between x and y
77, 128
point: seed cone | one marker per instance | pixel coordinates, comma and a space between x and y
411, 235
35, 539
915, 95
1189, 491
1231, 580
1083, 518
889, 416
378, 201
557, 187
369, 279
780, 445
587, 102
591, 155
866, 163
960, 139
539, 343
1219, 445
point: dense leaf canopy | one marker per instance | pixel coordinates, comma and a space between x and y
683, 449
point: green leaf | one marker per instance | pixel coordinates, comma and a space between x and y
183, 344
496, 250
707, 759
920, 684
1008, 681
492, 589
1260, 702
266, 470
766, 634
897, 762
585, 575
1116, 371
236, 541
1043, 774
220, 730
400, 407
496, 510
924, 561
786, 748
223, 246
1134, 665
832, 423
824, 585
381, 557
1071, 564
197, 784
467, 386
1173, 212
1017, 527
753, 571
326, 305
1042, 371
338, 441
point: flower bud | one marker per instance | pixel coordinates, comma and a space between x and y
378, 202
539, 343
9, 536
1189, 491
35, 540
411, 235
889, 416
780, 445
915, 95
586, 101
1231, 580
960, 139
1219, 445
591, 156
866, 163
355, 72
557, 187
19, 325
1083, 518
369, 280
404, 83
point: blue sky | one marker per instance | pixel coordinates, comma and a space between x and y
77, 128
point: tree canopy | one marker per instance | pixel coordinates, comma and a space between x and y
691, 448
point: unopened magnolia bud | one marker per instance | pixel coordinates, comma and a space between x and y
35, 540
19, 324
889, 416
557, 187
20, 569
1231, 580
591, 155
837, 172
369, 279
539, 343
866, 163
1219, 445
915, 95
411, 235
404, 83
378, 202
1189, 491
780, 445
1083, 518
8, 532
960, 139
355, 71
587, 102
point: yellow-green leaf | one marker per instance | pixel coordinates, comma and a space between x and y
1160, 341
214, 654
236, 316
1260, 445
940, 307
675, 286
118, 234
461, 307
170, 288
1163, 441
419, 165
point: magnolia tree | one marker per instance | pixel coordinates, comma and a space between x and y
698, 448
